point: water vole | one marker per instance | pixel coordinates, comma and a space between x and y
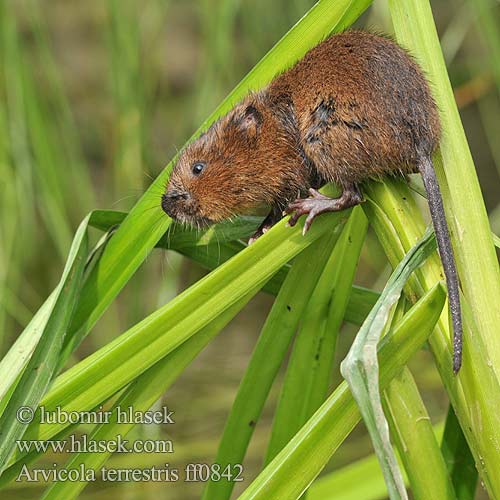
355, 107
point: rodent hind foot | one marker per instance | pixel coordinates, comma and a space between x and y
319, 204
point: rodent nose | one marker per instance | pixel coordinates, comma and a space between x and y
175, 195
170, 198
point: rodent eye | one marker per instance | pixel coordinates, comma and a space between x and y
198, 167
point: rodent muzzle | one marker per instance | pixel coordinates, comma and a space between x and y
181, 206
170, 202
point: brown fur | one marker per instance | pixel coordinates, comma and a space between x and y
356, 106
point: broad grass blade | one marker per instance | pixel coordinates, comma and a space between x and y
361, 370
52, 324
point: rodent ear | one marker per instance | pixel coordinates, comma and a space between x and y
251, 120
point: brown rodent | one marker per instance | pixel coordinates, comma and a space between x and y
356, 106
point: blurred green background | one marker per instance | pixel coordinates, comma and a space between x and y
95, 98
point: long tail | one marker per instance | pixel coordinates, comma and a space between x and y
426, 169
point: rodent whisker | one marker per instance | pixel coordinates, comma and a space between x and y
135, 195
218, 247
148, 175
157, 191
157, 222
147, 209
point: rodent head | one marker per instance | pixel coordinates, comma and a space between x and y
239, 164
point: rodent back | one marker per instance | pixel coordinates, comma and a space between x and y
362, 105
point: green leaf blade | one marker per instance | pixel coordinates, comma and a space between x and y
295, 467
